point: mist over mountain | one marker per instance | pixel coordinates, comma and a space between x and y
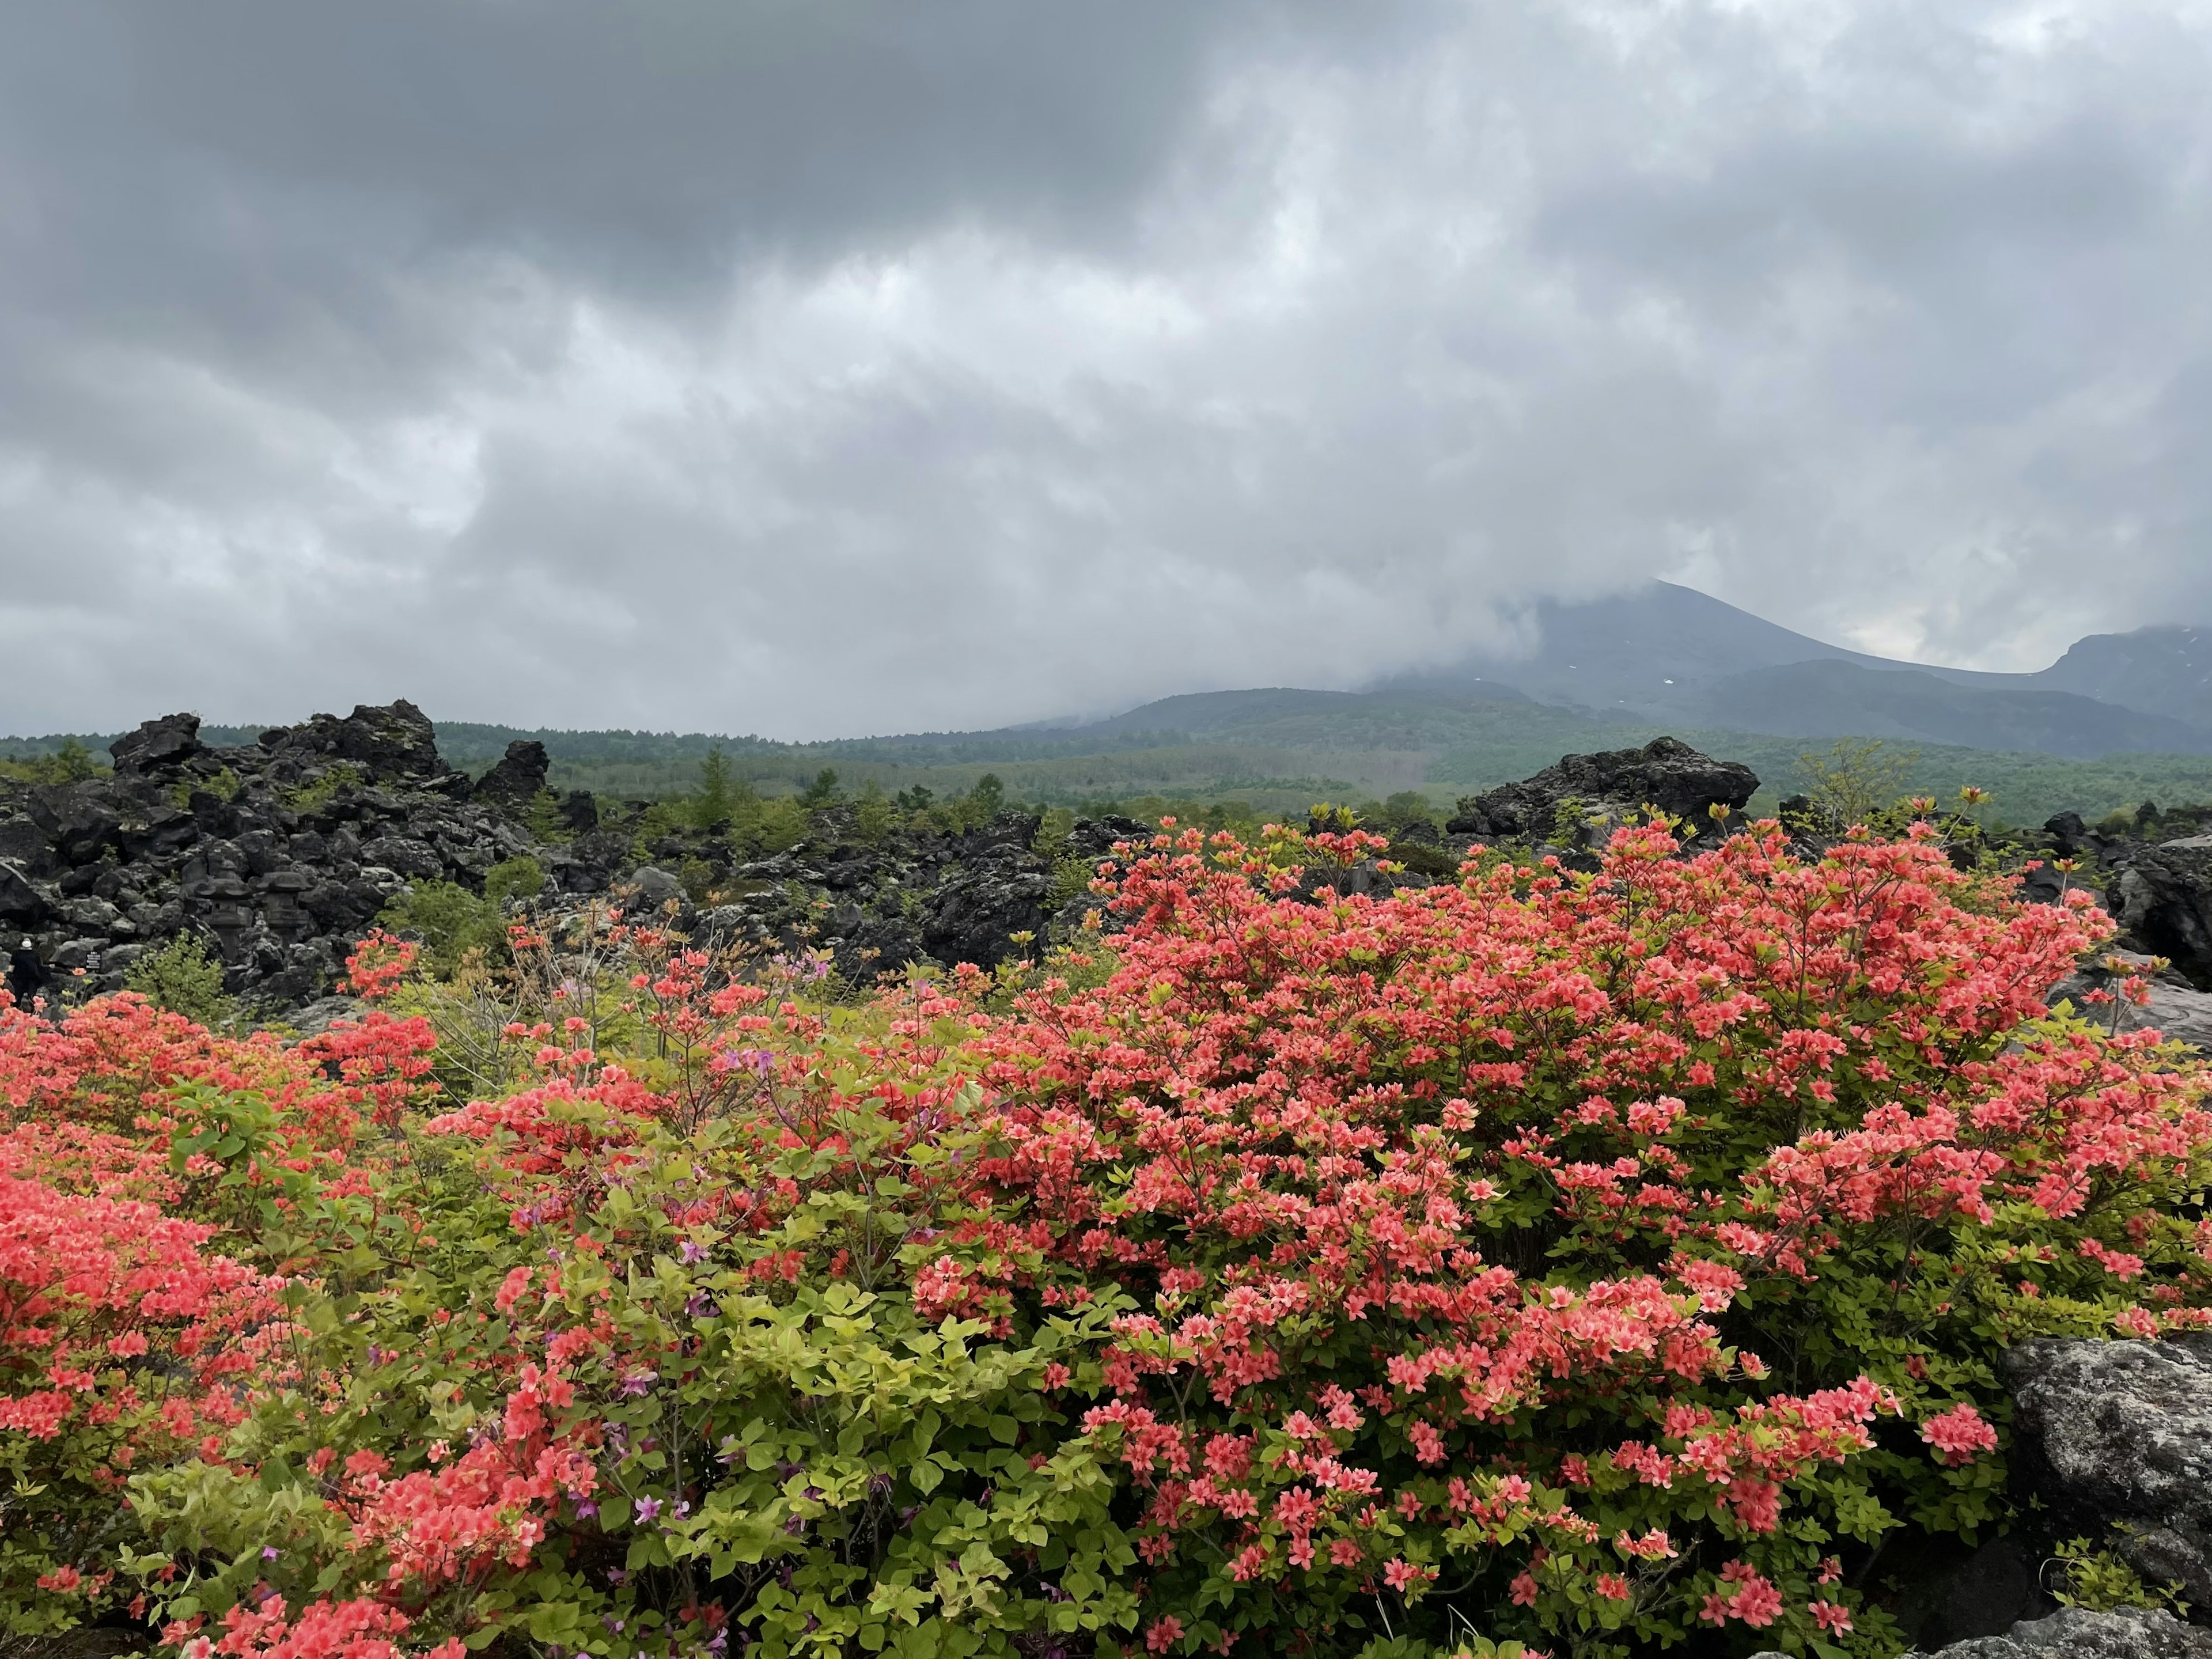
1663, 652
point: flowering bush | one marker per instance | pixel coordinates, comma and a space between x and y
1570, 1256
1583, 1260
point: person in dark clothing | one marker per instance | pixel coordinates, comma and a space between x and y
27, 975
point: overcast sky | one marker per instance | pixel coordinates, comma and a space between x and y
816, 368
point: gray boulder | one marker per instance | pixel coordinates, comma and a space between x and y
2176, 1010
651, 888
1618, 784
2116, 1437
2078, 1633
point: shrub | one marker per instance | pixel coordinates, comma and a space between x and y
70, 764
322, 788
450, 923
718, 802
2098, 1580
514, 881
184, 979
1856, 779
1593, 1258
873, 815
1590, 1262
223, 784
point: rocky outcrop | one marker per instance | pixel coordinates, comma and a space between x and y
877, 905
2176, 1009
2118, 1435
2161, 895
514, 784
277, 854
2078, 1633
1614, 786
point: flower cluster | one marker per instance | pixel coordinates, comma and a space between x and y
1397, 1189
1593, 1260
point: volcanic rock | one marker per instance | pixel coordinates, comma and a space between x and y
514, 783
2119, 1433
1616, 786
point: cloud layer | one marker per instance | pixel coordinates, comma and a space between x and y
816, 368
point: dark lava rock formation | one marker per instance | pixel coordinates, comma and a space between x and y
1613, 787
279, 854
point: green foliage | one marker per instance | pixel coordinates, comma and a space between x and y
1072, 876
986, 800
184, 979
874, 814
321, 790
514, 881
1856, 778
223, 785
1570, 821
823, 792
70, 764
443, 917
717, 800
843, 1473
2099, 1580
698, 879
542, 818
450, 923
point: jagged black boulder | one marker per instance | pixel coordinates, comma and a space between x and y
158, 747
394, 744
514, 783
2161, 895
1617, 784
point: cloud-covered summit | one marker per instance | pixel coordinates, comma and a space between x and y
816, 368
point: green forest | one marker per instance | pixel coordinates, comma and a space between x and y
1248, 754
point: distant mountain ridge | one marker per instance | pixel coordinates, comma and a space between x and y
1661, 658
1666, 653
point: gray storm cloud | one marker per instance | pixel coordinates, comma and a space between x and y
822, 368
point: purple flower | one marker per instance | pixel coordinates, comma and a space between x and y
269, 1552
637, 1384
761, 1062
692, 1253
702, 1306
648, 1509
